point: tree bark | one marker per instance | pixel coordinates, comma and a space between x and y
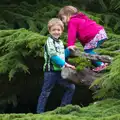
96, 57
84, 77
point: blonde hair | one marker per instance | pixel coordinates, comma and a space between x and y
55, 21
67, 11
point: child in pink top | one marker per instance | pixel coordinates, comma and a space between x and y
90, 34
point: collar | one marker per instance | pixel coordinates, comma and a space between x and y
57, 40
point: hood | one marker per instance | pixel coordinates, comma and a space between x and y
80, 15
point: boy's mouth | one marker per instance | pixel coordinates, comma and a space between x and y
56, 35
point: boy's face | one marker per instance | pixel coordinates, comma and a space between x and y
56, 31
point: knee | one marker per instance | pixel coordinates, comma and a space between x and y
45, 93
72, 87
90, 51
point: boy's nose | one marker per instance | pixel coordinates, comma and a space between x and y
57, 31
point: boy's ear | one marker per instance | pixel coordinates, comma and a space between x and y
48, 29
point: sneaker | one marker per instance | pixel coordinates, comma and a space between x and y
100, 68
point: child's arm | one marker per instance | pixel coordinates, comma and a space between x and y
72, 31
67, 52
51, 50
54, 57
57, 60
61, 62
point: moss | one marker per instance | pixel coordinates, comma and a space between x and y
80, 63
101, 110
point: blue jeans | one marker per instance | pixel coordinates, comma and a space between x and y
50, 79
91, 51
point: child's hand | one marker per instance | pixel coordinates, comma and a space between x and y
70, 66
72, 47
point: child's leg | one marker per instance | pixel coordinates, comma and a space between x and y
96, 63
49, 82
69, 91
100, 42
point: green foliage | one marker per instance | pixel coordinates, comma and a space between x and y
101, 110
80, 63
109, 12
32, 17
109, 82
29, 16
66, 110
15, 46
18, 45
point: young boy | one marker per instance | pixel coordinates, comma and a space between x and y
54, 55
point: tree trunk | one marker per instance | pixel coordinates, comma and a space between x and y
84, 77
96, 57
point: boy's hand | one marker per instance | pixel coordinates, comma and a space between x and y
72, 47
70, 66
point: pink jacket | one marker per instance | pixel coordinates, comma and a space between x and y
82, 28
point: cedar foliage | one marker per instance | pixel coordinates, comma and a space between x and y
16, 45
109, 82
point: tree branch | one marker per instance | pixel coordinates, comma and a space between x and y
102, 58
84, 77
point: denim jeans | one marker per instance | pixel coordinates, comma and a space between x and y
50, 79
